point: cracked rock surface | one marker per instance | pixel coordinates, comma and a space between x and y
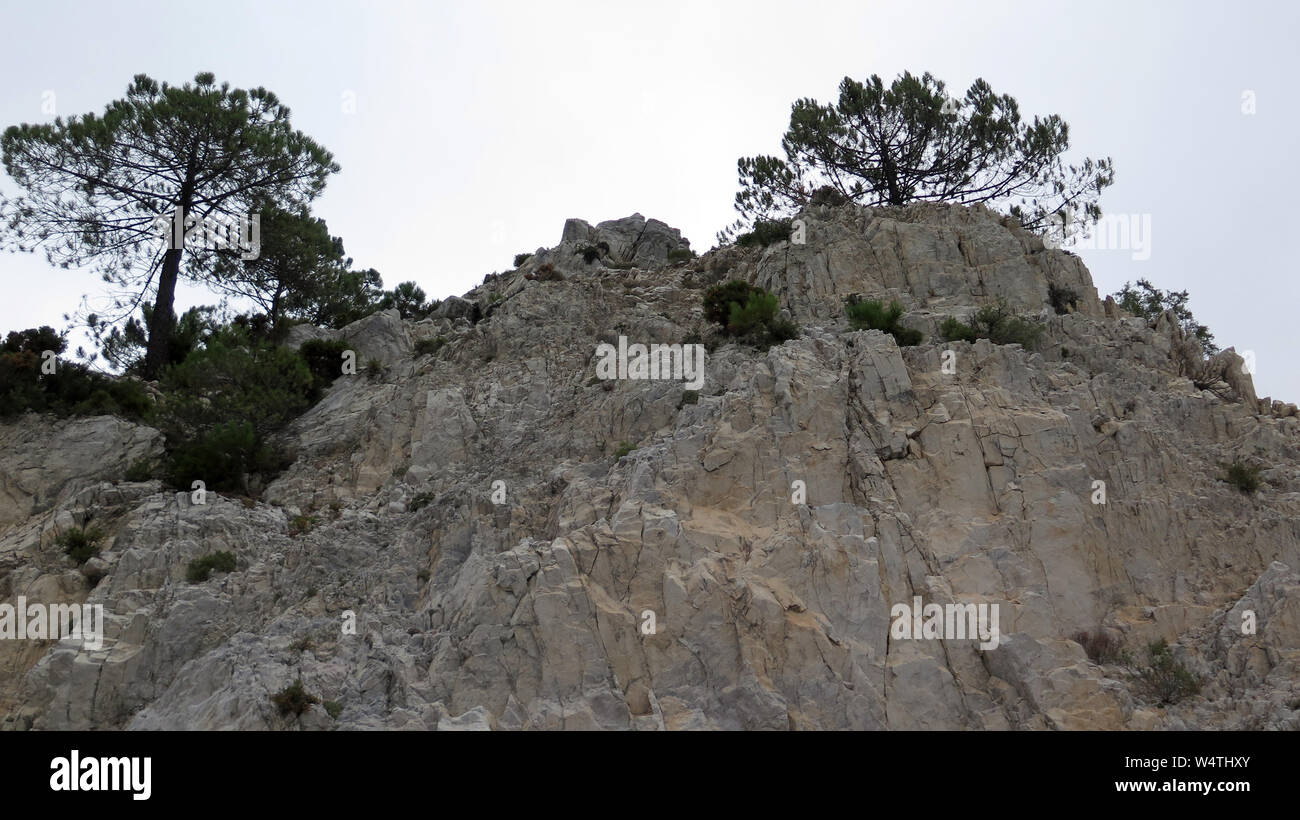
503, 568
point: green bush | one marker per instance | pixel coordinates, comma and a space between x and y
1062, 299
375, 370
324, 358
294, 698
719, 299
333, 708
1165, 680
954, 330
995, 323
300, 524
760, 309
429, 347
521, 258
689, 397
765, 232
222, 456
80, 544
680, 255
1242, 475
72, 389
222, 403
141, 470
872, 314
748, 313
623, 449
200, 569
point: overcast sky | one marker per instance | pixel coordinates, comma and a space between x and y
469, 132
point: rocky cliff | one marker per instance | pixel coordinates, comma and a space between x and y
510, 565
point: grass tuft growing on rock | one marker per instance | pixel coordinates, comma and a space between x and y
873, 314
1242, 475
294, 699
81, 544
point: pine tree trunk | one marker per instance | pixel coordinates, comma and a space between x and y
162, 322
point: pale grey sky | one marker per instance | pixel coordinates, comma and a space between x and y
479, 127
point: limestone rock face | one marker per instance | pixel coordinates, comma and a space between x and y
632, 240
503, 541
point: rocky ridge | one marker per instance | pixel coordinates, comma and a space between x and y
475, 612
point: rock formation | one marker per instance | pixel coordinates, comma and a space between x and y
507, 571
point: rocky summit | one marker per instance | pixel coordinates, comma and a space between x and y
482, 533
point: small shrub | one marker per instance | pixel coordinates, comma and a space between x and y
548, 273
419, 500
781, 330
333, 708
764, 233
754, 316
301, 524
303, 644
589, 253
1165, 680
1245, 477
828, 195
429, 347
294, 698
81, 544
955, 330
995, 323
223, 402
521, 258
1062, 299
324, 359
689, 397
719, 299
1101, 647
141, 470
680, 255
872, 314
623, 449
72, 389
200, 569
748, 313
375, 370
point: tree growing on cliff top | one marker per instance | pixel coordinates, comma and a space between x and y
95, 188
911, 142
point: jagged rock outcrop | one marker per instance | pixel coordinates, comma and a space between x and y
503, 565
